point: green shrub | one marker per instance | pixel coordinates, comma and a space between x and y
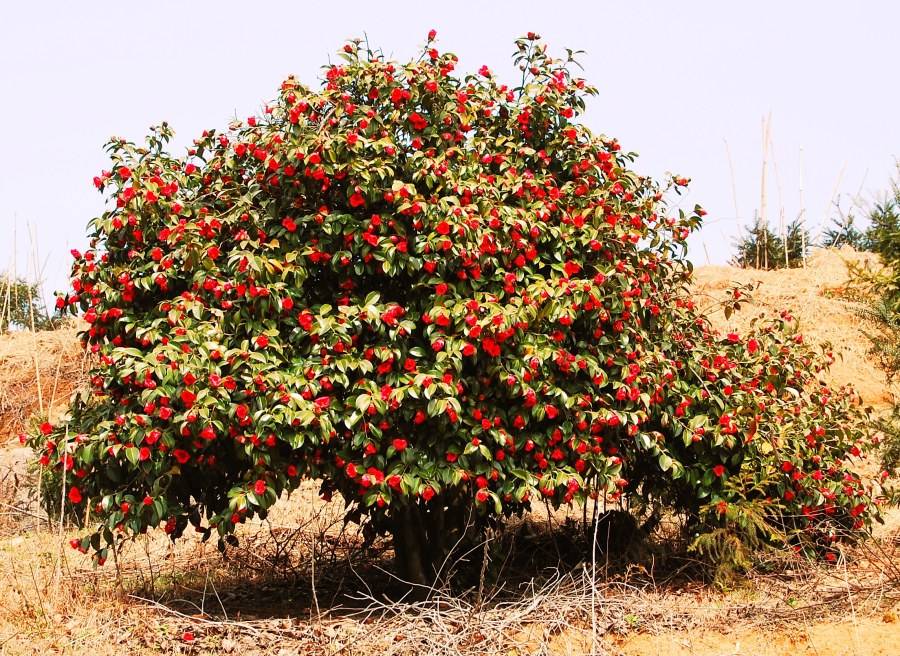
443, 298
21, 305
760, 248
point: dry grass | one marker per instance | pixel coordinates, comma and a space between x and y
38, 373
303, 582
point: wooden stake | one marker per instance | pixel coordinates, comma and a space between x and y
737, 213
834, 193
781, 227
800, 217
37, 367
758, 235
762, 190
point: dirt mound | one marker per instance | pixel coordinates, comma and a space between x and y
38, 373
814, 296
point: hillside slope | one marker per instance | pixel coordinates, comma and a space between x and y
812, 295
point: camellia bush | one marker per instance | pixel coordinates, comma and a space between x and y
443, 298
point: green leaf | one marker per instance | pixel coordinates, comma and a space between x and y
665, 462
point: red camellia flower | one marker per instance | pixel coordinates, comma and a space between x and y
259, 487
357, 200
181, 456
213, 252
262, 341
305, 319
490, 347
719, 470
74, 495
399, 444
428, 493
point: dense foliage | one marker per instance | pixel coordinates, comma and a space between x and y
883, 237
445, 299
882, 232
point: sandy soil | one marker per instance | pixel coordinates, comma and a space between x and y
860, 637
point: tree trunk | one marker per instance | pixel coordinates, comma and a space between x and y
425, 536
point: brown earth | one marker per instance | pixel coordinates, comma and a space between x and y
867, 636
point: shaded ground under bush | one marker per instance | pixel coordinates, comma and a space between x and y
303, 583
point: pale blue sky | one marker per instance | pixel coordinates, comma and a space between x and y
677, 80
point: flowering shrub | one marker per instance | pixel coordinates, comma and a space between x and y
442, 297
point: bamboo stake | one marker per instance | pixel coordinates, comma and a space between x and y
733, 185
834, 193
37, 367
756, 225
763, 219
800, 217
15, 264
781, 227
7, 304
